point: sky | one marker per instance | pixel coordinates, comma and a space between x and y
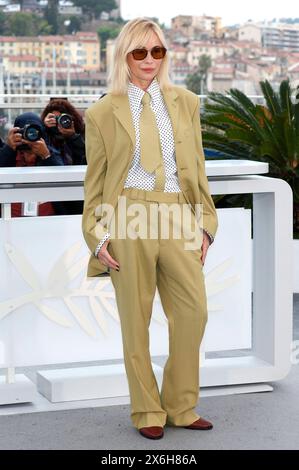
231, 11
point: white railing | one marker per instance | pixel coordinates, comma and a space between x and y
12, 105
39, 101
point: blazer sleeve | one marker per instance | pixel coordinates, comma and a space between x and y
209, 216
93, 230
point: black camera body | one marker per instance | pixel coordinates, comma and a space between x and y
64, 120
31, 132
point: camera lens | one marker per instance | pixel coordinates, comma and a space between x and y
65, 121
31, 133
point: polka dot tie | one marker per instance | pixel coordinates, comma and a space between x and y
150, 146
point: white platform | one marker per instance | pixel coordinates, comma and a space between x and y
86, 383
42, 404
76, 173
235, 390
22, 390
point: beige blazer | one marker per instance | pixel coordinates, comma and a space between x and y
110, 143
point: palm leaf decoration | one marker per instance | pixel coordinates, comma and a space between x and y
238, 128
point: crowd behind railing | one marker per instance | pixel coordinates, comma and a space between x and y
56, 137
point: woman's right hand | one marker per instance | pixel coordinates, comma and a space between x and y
50, 120
105, 258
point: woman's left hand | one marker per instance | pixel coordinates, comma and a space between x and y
205, 247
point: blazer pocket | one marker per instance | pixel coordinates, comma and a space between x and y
110, 249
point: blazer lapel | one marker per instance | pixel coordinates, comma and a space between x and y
122, 111
170, 98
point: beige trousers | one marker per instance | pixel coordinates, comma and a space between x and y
165, 263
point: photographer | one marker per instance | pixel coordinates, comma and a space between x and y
27, 146
65, 130
19, 151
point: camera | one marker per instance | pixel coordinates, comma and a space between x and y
31, 132
64, 120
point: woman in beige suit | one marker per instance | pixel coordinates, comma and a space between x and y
145, 156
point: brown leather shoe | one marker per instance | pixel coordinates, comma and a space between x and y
201, 424
152, 432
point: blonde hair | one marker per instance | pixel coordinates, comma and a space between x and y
133, 35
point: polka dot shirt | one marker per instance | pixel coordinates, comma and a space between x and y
137, 176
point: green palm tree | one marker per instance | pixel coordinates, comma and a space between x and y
238, 128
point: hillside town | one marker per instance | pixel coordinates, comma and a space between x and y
78, 61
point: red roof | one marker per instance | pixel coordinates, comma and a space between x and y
178, 48
23, 58
83, 36
222, 70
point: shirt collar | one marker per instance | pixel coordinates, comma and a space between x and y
154, 91
136, 94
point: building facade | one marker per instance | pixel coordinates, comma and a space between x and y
272, 35
82, 48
